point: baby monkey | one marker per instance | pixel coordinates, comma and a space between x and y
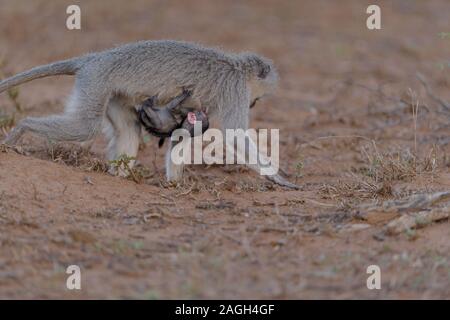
162, 120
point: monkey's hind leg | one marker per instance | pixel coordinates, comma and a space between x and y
80, 122
65, 127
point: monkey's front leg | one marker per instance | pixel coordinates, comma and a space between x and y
250, 151
174, 161
282, 181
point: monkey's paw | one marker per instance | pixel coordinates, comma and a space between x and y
282, 182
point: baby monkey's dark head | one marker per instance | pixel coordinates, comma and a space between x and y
189, 122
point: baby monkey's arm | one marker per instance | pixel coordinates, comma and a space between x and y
176, 102
148, 115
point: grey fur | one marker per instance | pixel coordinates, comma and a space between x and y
66, 67
110, 83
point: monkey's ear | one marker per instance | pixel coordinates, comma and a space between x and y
259, 66
264, 70
149, 102
186, 92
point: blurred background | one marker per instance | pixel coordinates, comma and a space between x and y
250, 240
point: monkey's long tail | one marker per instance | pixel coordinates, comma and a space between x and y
66, 67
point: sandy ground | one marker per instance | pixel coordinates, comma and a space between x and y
348, 135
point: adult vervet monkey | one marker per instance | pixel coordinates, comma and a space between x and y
110, 83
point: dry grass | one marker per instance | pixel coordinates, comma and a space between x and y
399, 164
76, 156
381, 169
3, 148
396, 165
6, 121
376, 178
138, 173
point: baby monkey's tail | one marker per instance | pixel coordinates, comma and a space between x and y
67, 67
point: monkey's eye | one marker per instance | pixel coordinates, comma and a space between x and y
253, 103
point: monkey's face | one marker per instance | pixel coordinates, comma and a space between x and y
259, 89
192, 118
253, 103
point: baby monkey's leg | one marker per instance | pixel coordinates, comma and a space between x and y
81, 120
148, 117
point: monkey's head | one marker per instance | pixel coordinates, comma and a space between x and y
189, 124
192, 118
262, 76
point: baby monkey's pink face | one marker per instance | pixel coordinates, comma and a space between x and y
192, 118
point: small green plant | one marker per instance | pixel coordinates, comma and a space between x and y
444, 35
299, 169
7, 120
411, 234
13, 95
123, 164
